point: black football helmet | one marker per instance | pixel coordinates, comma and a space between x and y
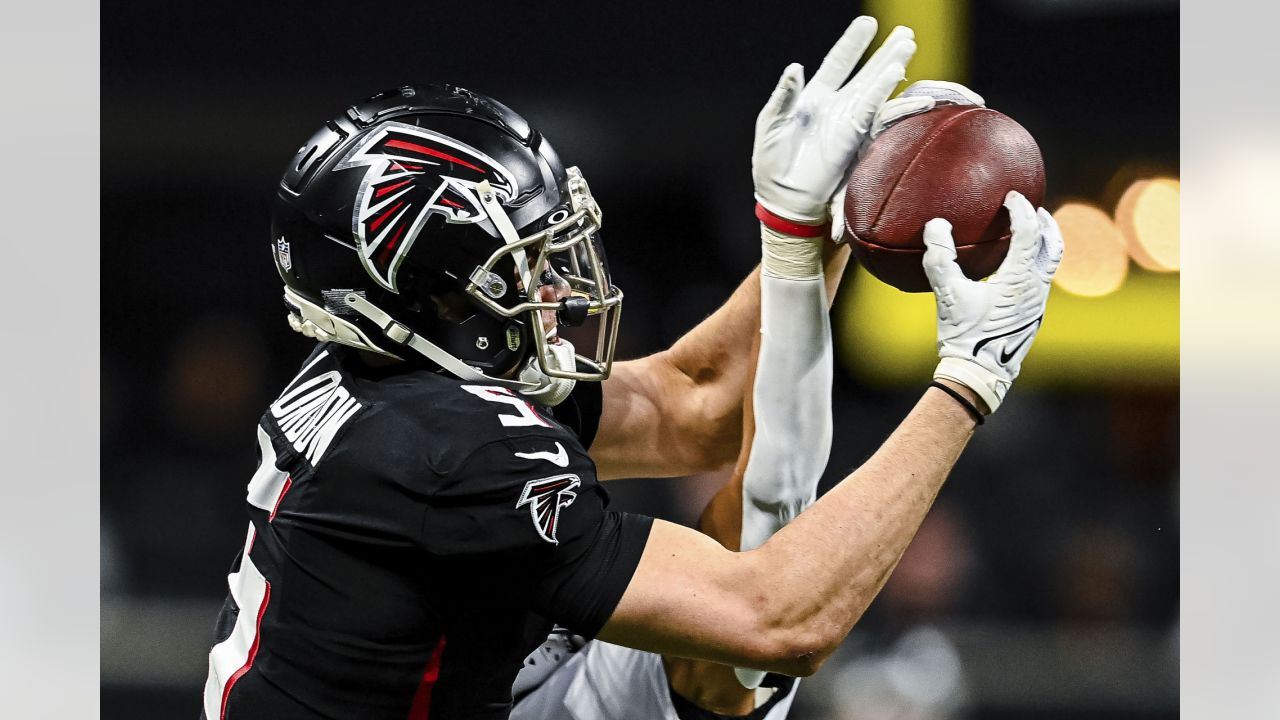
432, 223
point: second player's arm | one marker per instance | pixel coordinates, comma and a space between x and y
786, 606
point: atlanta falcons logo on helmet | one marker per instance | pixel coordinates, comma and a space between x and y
412, 174
545, 498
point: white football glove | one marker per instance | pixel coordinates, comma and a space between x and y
986, 327
807, 136
922, 96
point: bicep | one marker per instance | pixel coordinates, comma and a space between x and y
691, 597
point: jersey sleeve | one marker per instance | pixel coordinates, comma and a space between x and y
530, 510
580, 412
582, 589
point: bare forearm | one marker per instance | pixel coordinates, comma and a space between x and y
786, 606
711, 356
715, 367
829, 563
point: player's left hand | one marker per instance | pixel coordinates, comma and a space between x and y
807, 135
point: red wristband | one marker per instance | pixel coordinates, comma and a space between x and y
787, 227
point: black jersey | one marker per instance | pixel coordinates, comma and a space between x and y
413, 537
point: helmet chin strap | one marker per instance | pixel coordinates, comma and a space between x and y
533, 383
401, 335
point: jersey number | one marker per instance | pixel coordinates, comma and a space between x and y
526, 415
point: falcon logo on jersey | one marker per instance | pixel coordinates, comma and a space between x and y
414, 173
545, 498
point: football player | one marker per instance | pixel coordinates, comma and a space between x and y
428, 499
788, 432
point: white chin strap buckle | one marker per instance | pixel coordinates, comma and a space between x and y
551, 391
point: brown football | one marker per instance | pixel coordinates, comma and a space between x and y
954, 162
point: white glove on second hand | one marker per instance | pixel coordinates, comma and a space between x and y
920, 97
986, 327
807, 136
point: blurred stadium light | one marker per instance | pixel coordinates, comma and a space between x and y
1148, 215
1095, 262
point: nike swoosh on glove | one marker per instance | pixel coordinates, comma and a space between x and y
987, 327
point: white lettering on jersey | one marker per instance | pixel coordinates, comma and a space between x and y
230, 659
311, 412
560, 457
492, 393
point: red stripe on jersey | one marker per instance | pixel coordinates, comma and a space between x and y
253, 652
421, 708
402, 145
287, 482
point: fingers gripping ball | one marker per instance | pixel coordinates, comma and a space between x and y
953, 162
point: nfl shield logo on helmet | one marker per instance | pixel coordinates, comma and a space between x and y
283, 255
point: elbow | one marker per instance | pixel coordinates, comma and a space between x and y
796, 653
806, 666
797, 649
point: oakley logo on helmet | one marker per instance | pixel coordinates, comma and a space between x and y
412, 174
545, 497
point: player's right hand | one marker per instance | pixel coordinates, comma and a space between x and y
986, 327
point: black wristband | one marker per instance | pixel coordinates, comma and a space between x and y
977, 416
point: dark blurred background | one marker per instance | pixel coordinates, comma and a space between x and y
1044, 584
